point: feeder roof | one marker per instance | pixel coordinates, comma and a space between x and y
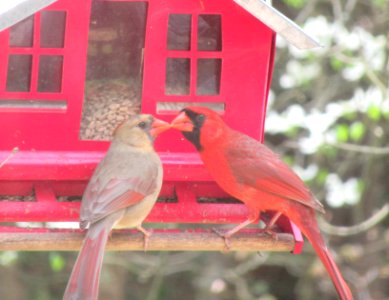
13, 11
279, 23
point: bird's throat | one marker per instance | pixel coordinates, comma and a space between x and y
194, 137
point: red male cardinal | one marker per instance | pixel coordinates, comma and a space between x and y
252, 173
121, 193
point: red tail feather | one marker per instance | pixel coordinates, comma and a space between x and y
313, 235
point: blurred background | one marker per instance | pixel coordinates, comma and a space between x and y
328, 117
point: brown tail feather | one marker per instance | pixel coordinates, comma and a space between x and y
83, 283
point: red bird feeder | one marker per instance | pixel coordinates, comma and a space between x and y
72, 70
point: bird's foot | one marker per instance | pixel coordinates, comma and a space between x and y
146, 236
270, 231
110, 235
225, 236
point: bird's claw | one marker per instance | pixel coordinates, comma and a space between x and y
271, 232
225, 237
146, 237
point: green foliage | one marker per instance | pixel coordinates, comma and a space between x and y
374, 112
350, 115
8, 257
328, 151
337, 64
292, 131
357, 131
321, 176
295, 3
261, 287
40, 294
57, 262
361, 186
289, 160
379, 3
342, 132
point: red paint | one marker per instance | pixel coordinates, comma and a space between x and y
54, 162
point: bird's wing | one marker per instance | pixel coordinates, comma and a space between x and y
252, 163
107, 193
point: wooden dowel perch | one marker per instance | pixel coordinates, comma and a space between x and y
167, 240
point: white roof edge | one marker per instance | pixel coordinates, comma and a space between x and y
21, 11
278, 22
258, 8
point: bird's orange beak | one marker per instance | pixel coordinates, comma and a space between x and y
182, 122
158, 127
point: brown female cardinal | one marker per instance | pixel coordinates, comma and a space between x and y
121, 193
252, 173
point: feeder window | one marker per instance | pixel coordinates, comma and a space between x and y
36, 70
52, 29
19, 73
50, 73
114, 66
209, 33
179, 32
177, 76
208, 76
21, 34
199, 72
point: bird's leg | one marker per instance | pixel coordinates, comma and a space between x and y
110, 235
229, 233
268, 227
146, 235
273, 220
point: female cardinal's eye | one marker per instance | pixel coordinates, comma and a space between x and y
142, 125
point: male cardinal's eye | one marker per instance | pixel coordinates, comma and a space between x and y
142, 125
200, 118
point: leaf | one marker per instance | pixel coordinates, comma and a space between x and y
292, 131
321, 177
342, 132
295, 3
289, 160
350, 116
337, 64
357, 131
361, 186
379, 3
57, 263
8, 257
386, 114
374, 112
328, 151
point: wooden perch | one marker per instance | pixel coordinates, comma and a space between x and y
161, 240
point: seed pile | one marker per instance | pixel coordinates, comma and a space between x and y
106, 105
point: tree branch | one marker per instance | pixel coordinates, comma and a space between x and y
378, 217
361, 148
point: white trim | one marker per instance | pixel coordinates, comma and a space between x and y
13, 11
279, 23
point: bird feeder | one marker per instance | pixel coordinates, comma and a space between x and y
71, 71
